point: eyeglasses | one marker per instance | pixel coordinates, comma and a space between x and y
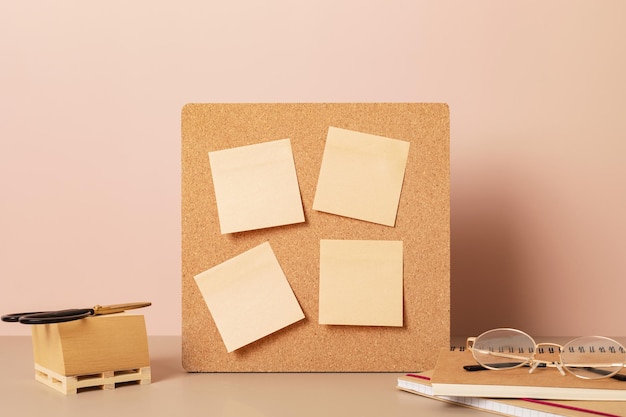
588, 357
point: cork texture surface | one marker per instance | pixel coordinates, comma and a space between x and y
422, 224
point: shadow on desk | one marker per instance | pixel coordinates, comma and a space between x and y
165, 358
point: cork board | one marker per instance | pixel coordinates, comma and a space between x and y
422, 225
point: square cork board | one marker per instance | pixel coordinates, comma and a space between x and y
422, 224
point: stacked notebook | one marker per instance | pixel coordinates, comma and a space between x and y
516, 392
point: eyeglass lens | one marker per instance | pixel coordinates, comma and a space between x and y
593, 357
503, 348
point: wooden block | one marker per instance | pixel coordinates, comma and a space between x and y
102, 380
93, 345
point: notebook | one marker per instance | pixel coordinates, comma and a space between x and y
449, 378
420, 384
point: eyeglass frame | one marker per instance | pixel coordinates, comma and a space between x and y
535, 363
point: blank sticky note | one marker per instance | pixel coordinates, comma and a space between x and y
249, 297
361, 176
256, 186
361, 282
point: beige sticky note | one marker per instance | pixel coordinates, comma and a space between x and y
361, 176
361, 282
249, 297
256, 186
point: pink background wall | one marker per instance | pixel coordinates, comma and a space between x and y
90, 100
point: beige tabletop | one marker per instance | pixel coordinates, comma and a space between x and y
173, 392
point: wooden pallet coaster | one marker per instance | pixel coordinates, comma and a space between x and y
102, 380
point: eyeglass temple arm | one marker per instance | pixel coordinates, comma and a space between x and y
469, 343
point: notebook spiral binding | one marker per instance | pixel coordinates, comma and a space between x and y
550, 349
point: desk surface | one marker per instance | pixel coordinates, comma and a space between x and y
175, 392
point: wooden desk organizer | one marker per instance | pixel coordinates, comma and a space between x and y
97, 352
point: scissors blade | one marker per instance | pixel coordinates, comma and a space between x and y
118, 308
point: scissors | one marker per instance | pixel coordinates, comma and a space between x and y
60, 316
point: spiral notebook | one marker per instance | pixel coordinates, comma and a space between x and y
420, 384
449, 378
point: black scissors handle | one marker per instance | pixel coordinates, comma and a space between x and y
15, 317
45, 317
